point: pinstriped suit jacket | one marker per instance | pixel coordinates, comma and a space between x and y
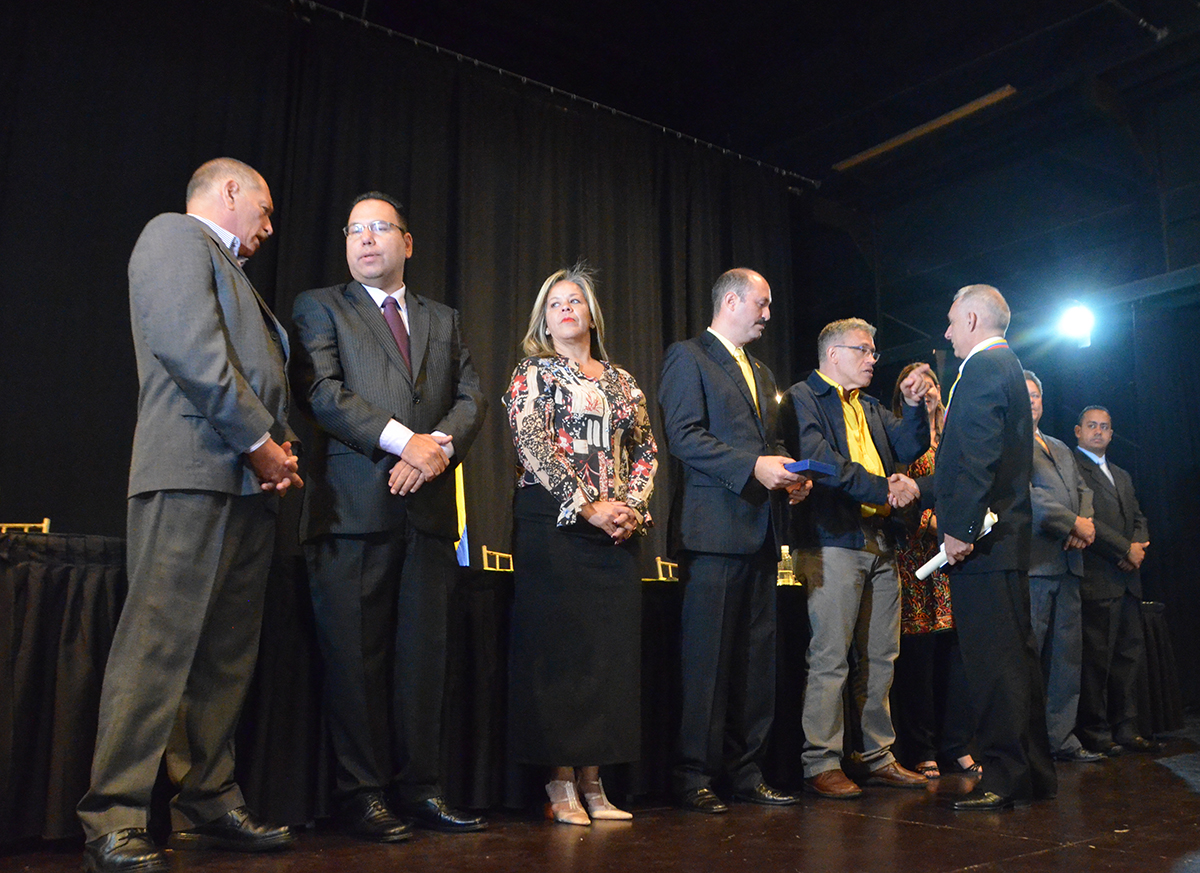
350, 378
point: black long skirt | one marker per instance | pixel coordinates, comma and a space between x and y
574, 674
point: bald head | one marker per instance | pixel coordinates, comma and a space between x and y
233, 195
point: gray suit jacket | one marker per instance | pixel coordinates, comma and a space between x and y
210, 358
351, 379
1119, 522
1059, 496
713, 429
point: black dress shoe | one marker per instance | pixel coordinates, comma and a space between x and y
1140, 744
236, 831
366, 815
765, 795
434, 815
987, 801
702, 800
125, 851
1078, 756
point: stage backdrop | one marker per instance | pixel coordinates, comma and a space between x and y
108, 110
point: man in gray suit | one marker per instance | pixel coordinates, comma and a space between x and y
386, 377
211, 454
1062, 526
1113, 643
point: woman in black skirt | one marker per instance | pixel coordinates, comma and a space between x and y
583, 437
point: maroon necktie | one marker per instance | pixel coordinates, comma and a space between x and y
391, 312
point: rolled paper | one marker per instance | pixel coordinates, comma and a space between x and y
939, 560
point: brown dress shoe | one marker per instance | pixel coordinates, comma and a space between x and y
896, 776
833, 784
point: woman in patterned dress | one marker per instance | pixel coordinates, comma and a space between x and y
927, 663
583, 437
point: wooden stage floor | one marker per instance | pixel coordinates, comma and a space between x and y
1133, 813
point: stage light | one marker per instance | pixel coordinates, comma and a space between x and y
1076, 323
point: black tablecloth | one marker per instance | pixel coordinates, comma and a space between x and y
60, 596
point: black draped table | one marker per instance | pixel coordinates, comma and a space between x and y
60, 596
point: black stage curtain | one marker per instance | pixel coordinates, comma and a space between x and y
108, 110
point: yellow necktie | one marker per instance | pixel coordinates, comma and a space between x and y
740, 356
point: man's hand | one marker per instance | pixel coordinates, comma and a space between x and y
916, 384
424, 451
615, 518
956, 550
768, 470
902, 490
799, 491
275, 466
1136, 554
1084, 529
404, 478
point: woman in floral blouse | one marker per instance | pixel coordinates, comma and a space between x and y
928, 660
583, 437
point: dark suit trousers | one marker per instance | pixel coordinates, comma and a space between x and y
991, 613
182, 657
380, 602
1113, 647
728, 662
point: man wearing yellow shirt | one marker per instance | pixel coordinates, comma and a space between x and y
843, 545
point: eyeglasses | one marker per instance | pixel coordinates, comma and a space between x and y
867, 351
373, 226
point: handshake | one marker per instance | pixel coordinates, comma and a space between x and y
901, 491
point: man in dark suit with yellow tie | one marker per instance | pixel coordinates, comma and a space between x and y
386, 376
984, 461
211, 452
719, 411
1113, 644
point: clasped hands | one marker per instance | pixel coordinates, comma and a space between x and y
1082, 535
275, 466
1134, 557
423, 459
901, 491
615, 517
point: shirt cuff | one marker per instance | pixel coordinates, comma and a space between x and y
262, 441
395, 437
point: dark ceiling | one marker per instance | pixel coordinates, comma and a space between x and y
803, 85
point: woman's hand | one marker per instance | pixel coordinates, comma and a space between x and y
615, 518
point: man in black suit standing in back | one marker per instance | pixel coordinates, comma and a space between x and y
1113, 644
396, 400
984, 462
719, 412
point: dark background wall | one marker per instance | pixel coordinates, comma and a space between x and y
105, 111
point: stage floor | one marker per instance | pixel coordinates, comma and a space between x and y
1136, 813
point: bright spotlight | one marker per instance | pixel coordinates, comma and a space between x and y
1076, 323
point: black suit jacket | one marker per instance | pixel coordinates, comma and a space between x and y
1119, 522
713, 430
350, 378
984, 461
813, 425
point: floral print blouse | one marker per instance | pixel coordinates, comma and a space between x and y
581, 439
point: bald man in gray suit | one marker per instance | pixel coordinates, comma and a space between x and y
386, 377
211, 454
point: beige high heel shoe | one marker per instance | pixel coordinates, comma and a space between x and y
598, 805
564, 803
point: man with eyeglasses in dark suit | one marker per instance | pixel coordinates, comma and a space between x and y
386, 377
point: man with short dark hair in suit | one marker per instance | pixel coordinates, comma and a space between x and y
719, 412
843, 543
386, 377
1113, 644
1062, 526
211, 454
984, 462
